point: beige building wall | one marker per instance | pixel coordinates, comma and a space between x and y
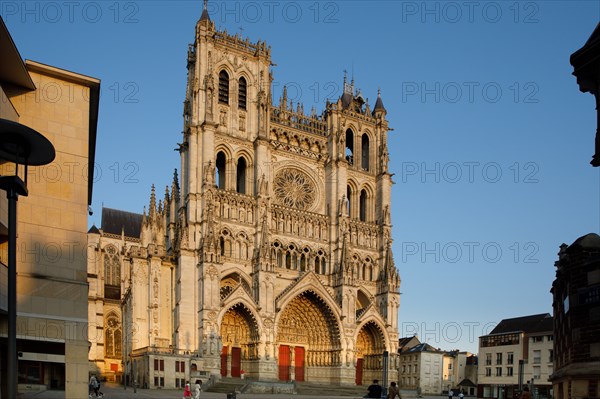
430, 373
52, 224
540, 365
489, 363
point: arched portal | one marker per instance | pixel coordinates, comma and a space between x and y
240, 336
370, 345
309, 339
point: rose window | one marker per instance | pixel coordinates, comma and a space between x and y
294, 189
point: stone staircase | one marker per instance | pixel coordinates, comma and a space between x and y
307, 388
227, 385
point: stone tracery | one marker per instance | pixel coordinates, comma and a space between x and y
294, 189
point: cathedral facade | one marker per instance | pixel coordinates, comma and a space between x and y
270, 254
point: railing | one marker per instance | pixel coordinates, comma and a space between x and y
309, 124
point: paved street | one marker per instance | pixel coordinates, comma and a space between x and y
117, 392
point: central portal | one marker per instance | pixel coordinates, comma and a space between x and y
309, 336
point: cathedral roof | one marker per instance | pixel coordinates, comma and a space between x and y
115, 221
93, 230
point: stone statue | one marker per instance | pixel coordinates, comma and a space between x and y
209, 173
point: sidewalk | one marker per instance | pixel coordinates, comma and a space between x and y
112, 391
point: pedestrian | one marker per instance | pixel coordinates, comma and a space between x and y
197, 389
393, 391
461, 395
92, 386
99, 393
187, 393
450, 394
526, 394
374, 390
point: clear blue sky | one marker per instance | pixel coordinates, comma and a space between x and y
491, 144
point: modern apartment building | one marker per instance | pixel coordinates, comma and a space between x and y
52, 290
517, 352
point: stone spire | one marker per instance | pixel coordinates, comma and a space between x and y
175, 187
379, 104
166, 201
205, 16
152, 210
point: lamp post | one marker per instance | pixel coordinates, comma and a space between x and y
23, 146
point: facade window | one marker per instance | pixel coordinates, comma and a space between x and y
498, 371
112, 273
365, 152
550, 356
498, 358
538, 339
112, 337
510, 358
537, 372
550, 338
363, 206
350, 147
320, 265
537, 356
509, 371
221, 166
156, 381
30, 372
179, 367
348, 200
488, 371
242, 93
488, 359
224, 87
241, 176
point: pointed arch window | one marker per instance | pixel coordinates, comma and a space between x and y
241, 176
365, 152
242, 93
363, 206
221, 165
350, 146
223, 87
112, 337
112, 273
349, 200
320, 264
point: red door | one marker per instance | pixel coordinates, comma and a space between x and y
359, 371
224, 361
299, 363
284, 362
236, 362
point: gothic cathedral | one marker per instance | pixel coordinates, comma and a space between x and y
269, 256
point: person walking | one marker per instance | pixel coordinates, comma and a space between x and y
197, 389
526, 394
187, 393
450, 394
92, 386
393, 391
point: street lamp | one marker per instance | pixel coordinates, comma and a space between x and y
23, 146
